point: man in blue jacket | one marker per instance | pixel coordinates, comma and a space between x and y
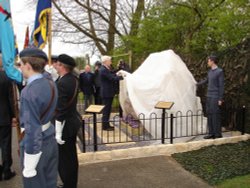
215, 91
108, 80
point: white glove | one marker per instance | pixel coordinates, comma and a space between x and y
122, 73
53, 72
30, 163
59, 129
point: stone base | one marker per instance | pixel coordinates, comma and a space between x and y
154, 150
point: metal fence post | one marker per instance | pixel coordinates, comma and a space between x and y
163, 126
171, 128
243, 120
83, 137
95, 132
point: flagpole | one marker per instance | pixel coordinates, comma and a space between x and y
50, 36
16, 123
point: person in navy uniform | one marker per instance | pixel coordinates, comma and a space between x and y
108, 79
38, 148
68, 121
6, 117
215, 91
86, 80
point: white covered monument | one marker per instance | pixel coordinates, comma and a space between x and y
163, 76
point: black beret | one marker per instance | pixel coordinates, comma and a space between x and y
33, 52
98, 63
54, 57
67, 60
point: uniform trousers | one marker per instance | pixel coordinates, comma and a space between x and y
46, 168
213, 116
68, 163
5, 146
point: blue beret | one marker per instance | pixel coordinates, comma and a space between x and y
33, 52
67, 60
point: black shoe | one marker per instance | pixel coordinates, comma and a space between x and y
209, 137
9, 175
1, 172
219, 136
108, 128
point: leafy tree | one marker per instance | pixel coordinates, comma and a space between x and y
192, 28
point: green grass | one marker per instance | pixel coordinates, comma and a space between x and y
115, 104
237, 182
215, 164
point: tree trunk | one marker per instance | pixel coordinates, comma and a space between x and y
137, 18
111, 30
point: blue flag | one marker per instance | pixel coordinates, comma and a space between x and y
7, 42
40, 34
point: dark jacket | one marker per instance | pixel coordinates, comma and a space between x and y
6, 100
66, 107
97, 79
108, 80
87, 83
37, 108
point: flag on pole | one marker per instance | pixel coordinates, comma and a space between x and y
26, 40
16, 48
7, 42
40, 34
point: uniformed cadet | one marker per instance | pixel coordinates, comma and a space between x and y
68, 121
39, 150
215, 91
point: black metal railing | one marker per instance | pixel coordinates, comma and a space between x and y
150, 129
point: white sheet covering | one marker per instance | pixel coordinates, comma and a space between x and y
163, 76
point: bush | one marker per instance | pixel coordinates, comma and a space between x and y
217, 163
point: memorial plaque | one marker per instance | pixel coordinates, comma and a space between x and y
164, 105
94, 109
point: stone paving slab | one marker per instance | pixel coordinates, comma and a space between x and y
150, 172
153, 171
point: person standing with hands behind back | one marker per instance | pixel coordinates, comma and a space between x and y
215, 91
67, 121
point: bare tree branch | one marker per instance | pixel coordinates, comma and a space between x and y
76, 25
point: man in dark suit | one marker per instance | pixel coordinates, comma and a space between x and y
6, 115
86, 80
108, 79
68, 121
